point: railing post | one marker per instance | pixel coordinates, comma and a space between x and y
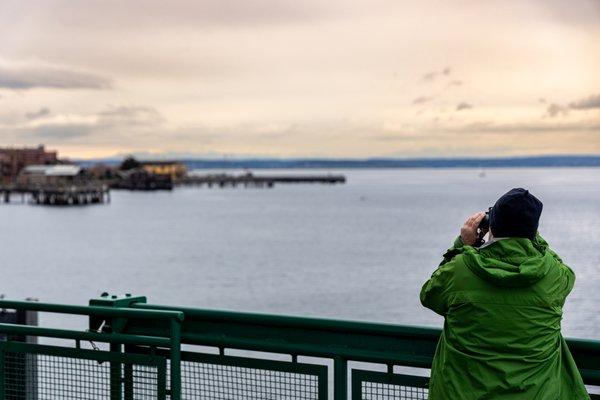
115, 374
340, 379
25, 370
128, 379
2, 372
175, 359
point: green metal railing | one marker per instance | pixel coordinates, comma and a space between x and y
153, 353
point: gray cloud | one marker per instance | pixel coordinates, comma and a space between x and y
433, 75
489, 127
113, 124
463, 106
30, 77
592, 101
555, 109
129, 115
421, 100
42, 112
587, 103
429, 76
52, 132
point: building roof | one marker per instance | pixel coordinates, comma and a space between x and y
35, 169
63, 170
53, 170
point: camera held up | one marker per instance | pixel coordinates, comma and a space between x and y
483, 228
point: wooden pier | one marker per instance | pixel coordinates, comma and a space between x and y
251, 180
92, 193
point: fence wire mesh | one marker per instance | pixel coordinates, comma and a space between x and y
143, 381
374, 385
49, 377
216, 381
383, 391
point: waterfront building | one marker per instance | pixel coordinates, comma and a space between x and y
141, 179
175, 169
53, 175
56, 185
14, 160
104, 172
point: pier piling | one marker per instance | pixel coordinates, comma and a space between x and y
57, 194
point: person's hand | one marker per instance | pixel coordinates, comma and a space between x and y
468, 233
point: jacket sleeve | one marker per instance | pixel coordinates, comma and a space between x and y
434, 293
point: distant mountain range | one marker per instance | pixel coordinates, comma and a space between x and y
327, 163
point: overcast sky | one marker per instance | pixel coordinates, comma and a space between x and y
301, 78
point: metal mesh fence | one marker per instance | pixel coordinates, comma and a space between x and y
211, 377
30, 376
223, 382
144, 382
383, 391
374, 385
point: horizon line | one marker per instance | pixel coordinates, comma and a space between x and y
210, 158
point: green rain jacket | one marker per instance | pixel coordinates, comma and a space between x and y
502, 306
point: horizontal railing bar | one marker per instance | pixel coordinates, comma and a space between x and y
353, 340
91, 310
588, 345
324, 324
591, 377
26, 330
284, 321
324, 351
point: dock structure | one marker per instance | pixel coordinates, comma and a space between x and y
94, 193
251, 180
56, 185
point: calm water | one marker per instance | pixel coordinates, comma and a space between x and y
358, 251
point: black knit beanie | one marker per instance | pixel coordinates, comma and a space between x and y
516, 214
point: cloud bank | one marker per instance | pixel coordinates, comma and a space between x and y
590, 102
43, 76
286, 78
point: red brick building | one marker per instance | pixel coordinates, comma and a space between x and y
13, 160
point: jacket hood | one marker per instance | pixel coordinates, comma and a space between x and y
510, 262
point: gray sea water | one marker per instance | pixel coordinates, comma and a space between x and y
357, 251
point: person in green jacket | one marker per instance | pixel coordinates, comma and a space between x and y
502, 307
